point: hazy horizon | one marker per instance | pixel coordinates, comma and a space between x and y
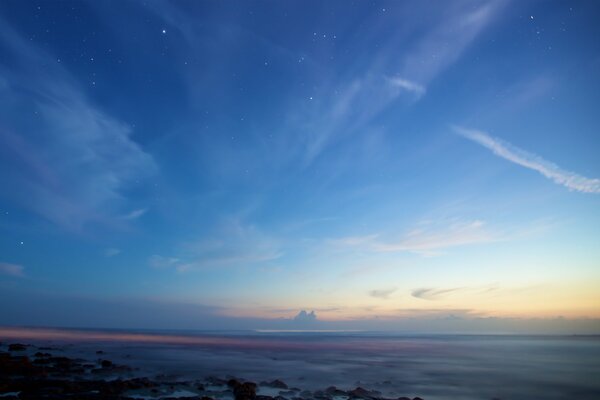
416, 166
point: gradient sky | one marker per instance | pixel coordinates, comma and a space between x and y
228, 164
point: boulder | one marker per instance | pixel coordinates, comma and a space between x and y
17, 347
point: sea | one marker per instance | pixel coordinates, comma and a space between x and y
432, 367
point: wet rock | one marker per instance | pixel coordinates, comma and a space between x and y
277, 384
363, 393
17, 347
243, 391
334, 391
212, 380
233, 383
106, 364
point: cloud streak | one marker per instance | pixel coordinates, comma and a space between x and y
409, 86
382, 293
432, 293
135, 214
232, 244
12, 270
427, 240
505, 150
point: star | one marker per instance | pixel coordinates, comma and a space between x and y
164, 31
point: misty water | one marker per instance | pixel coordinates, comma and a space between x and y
429, 366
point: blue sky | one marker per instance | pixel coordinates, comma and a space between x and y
238, 162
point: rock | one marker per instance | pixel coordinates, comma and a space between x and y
233, 383
42, 355
278, 384
244, 391
362, 393
417, 398
99, 352
17, 347
334, 391
106, 364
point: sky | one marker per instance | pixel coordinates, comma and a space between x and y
401, 165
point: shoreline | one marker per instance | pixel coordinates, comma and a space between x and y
29, 371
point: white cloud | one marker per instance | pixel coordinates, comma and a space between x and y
135, 213
407, 85
12, 269
503, 149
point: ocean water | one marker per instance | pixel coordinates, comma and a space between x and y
430, 366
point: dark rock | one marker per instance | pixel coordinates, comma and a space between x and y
333, 391
17, 347
233, 383
417, 398
106, 364
244, 391
99, 352
362, 393
212, 380
278, 384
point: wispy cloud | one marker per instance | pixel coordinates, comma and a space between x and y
436, 293
405, 84
503, 149
70, 161
135, 214
428, 240
432, 293
232, 244
382, 293
12, 269
111, 252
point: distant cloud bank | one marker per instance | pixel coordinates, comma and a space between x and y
304, 316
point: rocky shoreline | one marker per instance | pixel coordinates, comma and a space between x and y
31, 372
